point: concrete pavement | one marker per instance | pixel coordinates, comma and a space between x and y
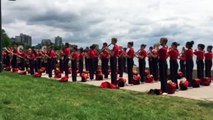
202, 93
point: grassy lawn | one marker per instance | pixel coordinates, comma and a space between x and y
28, 98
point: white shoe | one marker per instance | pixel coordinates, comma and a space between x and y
165, 93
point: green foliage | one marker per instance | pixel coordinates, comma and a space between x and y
6, 40
29, 98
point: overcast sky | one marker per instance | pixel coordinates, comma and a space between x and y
84, 22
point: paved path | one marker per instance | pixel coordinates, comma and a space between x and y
202, 93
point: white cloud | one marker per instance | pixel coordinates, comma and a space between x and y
95, 21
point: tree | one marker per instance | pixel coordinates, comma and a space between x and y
5, 39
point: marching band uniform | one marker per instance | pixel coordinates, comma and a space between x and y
200, 64
125, 60
92, 55
7, 58
66, 53
23, 56
81, 61
50, 66
130, 62
39, 56
14, 59
142, 62
96, 61
75, 58
208, 61
35, 62
150, 60
120, 62
105, 62
113, 61
182, 62
189, 62
154, 63
163, 67
173, 54
31, 58
61, 62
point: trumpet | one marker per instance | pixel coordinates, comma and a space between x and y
104, 48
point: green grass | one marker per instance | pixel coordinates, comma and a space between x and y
28, 98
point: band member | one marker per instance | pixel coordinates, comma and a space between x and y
150, 57
7, 57
125, 60
163, 67
14, 58
182, 62
31, 56
81, 60
105, 60
87, 58
66, 53
92, 54
96, 59
174, 54
120, 61
189, 62
35, 61
50, 56
130, 62
142, 62
155, 62
113, 61
74, 58
208, 61
39, 56
60, 57
22, 56
200, 63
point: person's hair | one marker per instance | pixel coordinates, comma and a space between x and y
66, 44
202, 46
164, 40
131, 43
115, 40
150, 48
190, 44
81, 50
75, 48
105, 44
143, 45
175, 44
209, 48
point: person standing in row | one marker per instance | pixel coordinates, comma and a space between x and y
120, 62
113, 60
149, 54
22, 56
66, 53
208, 61
163, 67
87, 58
200, 63
130, 61
81, 60
189, 62
92, 55
125, 60
14, 58
74, 58
50, 62
31, 56
173, 54
155, 60
39, 56
182, 61
142, 62
105, 60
